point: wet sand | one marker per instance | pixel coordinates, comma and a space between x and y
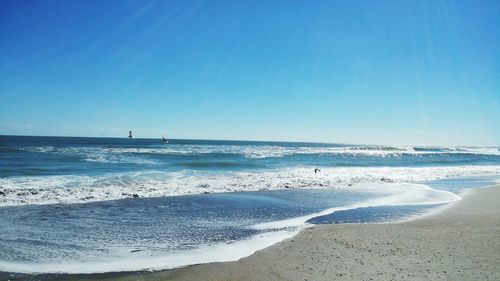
460, 242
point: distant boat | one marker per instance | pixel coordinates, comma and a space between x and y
130, 135
164, 139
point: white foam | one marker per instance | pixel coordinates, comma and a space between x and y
82, 189
138, 262
392, 195
389, 194
260, 151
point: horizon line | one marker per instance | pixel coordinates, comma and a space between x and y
246, 140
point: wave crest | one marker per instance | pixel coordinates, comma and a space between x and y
110, 154
80, 189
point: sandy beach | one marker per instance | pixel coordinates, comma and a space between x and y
249, 140
459, 242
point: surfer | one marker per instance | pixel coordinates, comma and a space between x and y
130, 135
317, 170
164, 139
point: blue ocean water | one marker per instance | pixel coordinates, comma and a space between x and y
103, 204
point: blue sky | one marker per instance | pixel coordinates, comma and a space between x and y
382, 72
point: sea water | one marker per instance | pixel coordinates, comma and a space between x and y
85, 205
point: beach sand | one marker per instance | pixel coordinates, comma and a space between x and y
460, 242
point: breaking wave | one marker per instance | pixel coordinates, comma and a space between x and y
109, 154
80, 189
388, 194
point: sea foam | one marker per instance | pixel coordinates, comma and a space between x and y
205, 254
388, 194
391, 194
81, 189
256, 151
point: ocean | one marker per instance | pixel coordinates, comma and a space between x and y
92, 205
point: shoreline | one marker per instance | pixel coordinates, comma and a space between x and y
459, 242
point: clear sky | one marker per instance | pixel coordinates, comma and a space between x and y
381, 72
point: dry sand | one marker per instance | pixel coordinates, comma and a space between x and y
461, 242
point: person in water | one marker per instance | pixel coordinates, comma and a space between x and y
317, 170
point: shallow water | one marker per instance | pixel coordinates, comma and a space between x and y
96, 205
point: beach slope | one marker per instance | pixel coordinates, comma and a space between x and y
460, 242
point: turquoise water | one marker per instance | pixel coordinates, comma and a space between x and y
100, 204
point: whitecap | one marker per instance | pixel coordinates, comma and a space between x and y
82, 189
